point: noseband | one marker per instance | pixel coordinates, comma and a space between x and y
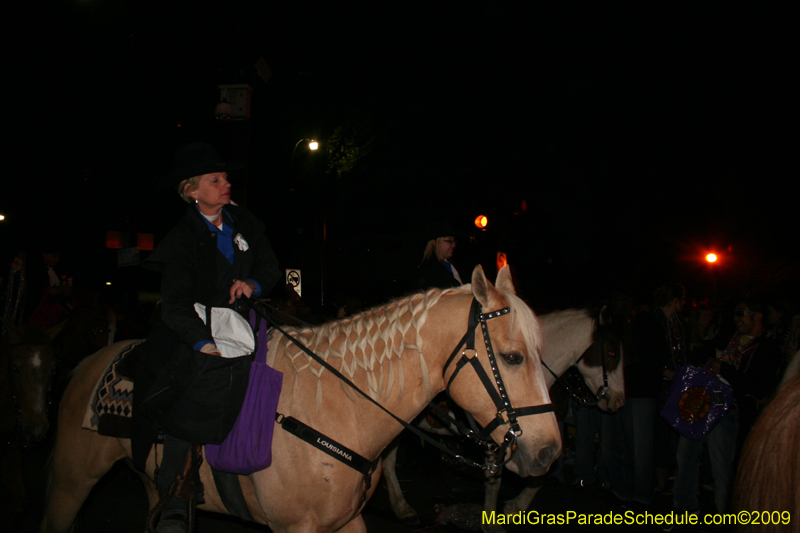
506, 414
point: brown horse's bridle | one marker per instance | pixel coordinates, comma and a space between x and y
506, 413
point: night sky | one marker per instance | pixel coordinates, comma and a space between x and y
609, 144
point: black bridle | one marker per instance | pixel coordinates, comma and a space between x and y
506, 413
589, 398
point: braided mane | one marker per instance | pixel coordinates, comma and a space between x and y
374, 340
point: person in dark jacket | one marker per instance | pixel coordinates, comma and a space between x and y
216, 254
436, 270
750, 365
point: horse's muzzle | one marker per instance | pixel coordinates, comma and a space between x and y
34, 433
535, 464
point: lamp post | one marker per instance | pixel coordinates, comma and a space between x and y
313, 145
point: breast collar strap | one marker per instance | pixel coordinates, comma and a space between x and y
506, 414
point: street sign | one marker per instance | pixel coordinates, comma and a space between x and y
293, 279
127, 257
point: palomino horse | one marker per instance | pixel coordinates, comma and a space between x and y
571, 338
399, 354
27, 365
769, 470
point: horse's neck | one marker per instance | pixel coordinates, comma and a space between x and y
394, 354
567, 334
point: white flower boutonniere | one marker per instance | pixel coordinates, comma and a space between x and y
240, 242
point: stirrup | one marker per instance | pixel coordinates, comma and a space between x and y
183, 489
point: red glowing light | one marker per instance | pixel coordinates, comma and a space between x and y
711, 258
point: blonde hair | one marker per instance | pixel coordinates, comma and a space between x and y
430, 249
188, 185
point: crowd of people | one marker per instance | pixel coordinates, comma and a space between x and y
746, 343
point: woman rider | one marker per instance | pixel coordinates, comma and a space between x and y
436, 270
214, 255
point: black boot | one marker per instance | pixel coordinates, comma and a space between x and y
175, 511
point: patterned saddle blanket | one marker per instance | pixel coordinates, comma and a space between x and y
111, 405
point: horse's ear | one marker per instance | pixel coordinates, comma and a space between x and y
504, 280
601, 317
481, 287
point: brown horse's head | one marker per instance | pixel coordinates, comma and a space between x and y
516, 344
28, 367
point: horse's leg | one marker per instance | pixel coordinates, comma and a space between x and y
402, 510
492, 490
80, 459
523, 500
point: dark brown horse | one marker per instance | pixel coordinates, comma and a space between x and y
27, 365
88, 329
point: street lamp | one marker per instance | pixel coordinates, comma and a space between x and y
312, 145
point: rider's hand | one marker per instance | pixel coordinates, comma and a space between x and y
211, 349
240, 288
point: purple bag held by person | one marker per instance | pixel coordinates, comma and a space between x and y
248, 447
697, 401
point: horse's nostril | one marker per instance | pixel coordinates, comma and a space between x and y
547, 455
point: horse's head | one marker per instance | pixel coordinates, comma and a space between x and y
29, 365
507, 349
602, 364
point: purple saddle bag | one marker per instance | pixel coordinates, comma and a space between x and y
696, 402
248, 447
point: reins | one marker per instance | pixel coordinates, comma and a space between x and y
290, 423
340, 452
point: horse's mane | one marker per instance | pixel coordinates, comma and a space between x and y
368, 339
371, 340
769, 470
561, 319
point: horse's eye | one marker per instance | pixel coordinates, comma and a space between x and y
513, 358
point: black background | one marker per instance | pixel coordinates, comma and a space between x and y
611, 145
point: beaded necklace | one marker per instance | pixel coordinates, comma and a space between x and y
735, 351
677, 340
